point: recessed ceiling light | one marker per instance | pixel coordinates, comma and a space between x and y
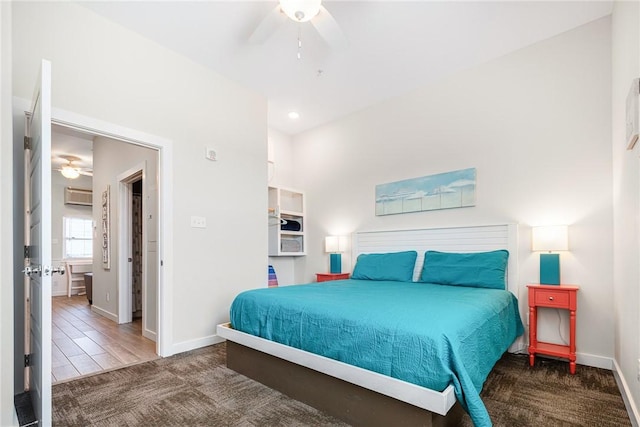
294, 115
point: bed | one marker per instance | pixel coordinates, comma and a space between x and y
371, 337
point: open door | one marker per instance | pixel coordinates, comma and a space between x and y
38, 245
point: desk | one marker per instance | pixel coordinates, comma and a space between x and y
563, 297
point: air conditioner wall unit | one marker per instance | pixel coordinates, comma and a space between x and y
78, 196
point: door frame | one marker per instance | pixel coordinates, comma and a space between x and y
164, 346
125, 285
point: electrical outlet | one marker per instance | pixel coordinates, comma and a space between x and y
211, 154
108, 296
198, 222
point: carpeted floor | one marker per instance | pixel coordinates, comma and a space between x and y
196, 389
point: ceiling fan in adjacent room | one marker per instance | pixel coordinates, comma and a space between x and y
301, 11
69, 170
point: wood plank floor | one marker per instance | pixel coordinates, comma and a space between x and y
85, 343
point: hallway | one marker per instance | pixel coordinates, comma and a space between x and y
85, 343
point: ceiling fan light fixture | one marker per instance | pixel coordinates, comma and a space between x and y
301, 10
69, 172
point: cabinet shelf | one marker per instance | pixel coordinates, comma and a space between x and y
292, 213
286, 238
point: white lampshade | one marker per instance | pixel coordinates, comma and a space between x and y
335, 244
300, 10
69, 172
550, 238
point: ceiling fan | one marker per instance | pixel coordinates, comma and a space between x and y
70, 171
300, 11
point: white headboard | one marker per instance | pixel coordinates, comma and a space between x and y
446, 239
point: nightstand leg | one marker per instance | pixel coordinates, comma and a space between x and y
572, 341
533, 335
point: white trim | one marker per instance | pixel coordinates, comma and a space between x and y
125, 290
632, 409
165, 202
147, 333
102, 312
594, 361
434, 401
183, 346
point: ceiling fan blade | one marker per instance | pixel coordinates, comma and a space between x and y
268, 26
86, 173
329, 29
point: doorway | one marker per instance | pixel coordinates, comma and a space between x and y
83, 341
163, 230
137, 254
137, 239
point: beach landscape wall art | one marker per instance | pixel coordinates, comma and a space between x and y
456, 189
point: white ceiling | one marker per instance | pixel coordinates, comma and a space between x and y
393, 46
69, 142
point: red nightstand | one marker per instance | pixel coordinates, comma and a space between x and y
325, 277
555, 296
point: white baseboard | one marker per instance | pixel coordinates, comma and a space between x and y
581, 359
63, 293
183, 346
594, 361
104, 313
150, 334
632, 409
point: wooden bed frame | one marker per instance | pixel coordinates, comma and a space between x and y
355, 395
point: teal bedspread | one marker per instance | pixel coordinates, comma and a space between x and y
425, 334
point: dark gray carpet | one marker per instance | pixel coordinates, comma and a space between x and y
196, 389
547, 395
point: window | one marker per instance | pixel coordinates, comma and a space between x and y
78, 237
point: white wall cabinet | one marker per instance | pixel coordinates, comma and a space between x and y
286, 222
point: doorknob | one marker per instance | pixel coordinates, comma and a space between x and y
28, 271
48, 270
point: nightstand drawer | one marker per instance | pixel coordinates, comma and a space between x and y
551, 298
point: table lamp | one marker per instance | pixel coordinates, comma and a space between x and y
335, 245
548, 239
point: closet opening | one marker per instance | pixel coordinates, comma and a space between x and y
137, 238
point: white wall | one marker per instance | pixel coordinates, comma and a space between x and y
7, 412
535, 124
104, 71
112, 158
626, 198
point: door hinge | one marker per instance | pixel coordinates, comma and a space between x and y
27, 360
27, 251
27, 143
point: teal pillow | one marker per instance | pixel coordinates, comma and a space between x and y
397, 266
479, 269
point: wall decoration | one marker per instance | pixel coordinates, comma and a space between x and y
633, 114
448, 190
106, 258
